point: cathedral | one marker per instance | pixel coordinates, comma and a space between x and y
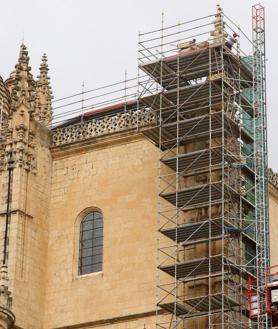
78, 209
54, 192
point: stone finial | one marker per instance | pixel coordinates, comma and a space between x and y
21, 83
219, 33
7, 318
23, 60
43, 94
219, 10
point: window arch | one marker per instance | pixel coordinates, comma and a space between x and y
91, 243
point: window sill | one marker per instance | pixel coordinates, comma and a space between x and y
89, 275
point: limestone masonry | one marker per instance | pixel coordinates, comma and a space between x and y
53, 179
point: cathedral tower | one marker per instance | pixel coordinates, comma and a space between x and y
25, 163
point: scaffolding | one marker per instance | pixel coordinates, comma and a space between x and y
100, 102
207, 93
203, 82
260, 125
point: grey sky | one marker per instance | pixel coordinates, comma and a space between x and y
95, 41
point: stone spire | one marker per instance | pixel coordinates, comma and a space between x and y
21, 83
7, 318
219, 33
18, 143
43, 94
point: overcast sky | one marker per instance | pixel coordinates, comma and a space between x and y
95, 41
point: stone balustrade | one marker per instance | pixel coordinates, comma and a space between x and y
273, 177
100, 127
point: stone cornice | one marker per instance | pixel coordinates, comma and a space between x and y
124, 137
110, 321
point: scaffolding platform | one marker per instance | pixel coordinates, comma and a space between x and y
191, 269
204, 160
202, 231
196, 128
199, 306
204, 95
199, 161
195, 64
203, 195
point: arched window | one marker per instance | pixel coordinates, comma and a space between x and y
91, 243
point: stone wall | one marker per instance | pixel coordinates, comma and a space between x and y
28, 231
273, 216
115, 172
120, 180
273, 223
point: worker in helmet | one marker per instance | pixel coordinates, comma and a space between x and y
231, 41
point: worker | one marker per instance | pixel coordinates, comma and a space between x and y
231, 41
193, 42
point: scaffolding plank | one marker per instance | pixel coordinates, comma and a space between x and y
195, 64
194, 231
194, 268
198, 160
195, 128
199, 306
195, 96
203, 194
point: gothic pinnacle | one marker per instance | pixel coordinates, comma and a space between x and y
23, 60
43, 94
44, 66
21, 83
218, 33
43, 78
